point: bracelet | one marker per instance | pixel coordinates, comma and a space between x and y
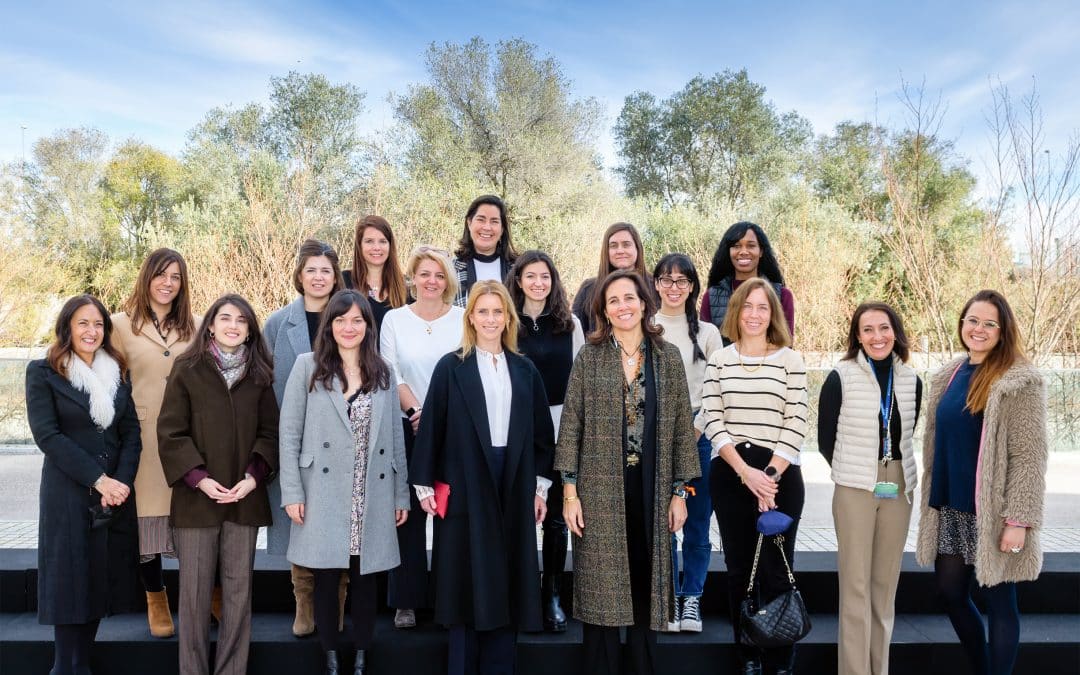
569, 499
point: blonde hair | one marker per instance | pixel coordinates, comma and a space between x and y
439, 256
510, 331
777, 333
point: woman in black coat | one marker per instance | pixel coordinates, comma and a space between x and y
495, 451
78, 402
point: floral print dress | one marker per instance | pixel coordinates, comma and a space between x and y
360, 422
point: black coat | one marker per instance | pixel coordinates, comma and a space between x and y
484, 566
83, 574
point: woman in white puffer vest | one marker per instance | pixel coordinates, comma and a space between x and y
867, 414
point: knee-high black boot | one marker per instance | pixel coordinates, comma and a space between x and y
554, 556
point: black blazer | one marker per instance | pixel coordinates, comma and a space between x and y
484, 552
83, 574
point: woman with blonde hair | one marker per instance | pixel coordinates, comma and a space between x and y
984, 480
486, 433
413, 338
155, 326
754, 409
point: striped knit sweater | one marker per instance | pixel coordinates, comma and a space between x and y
763, 401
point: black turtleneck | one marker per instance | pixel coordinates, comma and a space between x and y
832, 398
551, 353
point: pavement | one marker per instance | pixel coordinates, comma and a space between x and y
20, 471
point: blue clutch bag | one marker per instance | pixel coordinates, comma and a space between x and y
773, 522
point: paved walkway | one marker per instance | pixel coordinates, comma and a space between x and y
20, 474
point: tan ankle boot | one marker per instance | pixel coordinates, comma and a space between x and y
215, 605
158, 615
342, 590
303, 582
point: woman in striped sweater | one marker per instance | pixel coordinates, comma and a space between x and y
753, 410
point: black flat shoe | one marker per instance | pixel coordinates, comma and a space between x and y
331, 663
358, 667
751, 667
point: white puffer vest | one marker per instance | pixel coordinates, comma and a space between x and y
857, 454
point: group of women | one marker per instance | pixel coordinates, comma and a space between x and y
382, 395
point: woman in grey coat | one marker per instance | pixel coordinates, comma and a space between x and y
289, 332
343, 474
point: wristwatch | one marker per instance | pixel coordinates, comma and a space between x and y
413, 410
681, 492
772, 473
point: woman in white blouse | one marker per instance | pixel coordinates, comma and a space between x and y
753, 410
412, 339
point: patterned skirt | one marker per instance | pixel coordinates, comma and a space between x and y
155, 538
956, 534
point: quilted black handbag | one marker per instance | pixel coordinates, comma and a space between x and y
782, 621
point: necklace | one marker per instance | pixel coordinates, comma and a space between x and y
631, 357
535, 324
743, 365
157, 327
442, 310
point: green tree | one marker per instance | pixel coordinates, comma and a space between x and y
141, 188
716, 139
502, 120
845, 167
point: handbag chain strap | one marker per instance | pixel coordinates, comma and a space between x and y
757, 556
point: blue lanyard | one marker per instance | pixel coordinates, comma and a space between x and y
886, 416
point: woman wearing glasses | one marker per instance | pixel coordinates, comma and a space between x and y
744, 252
413, 338
984, 466
678, 285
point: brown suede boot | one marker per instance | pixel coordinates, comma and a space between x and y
158, 615
303, 583
215, 605
342, 590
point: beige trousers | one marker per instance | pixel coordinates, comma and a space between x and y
870, 536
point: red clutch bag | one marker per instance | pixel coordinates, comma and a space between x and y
442, 498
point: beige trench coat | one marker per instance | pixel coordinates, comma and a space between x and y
150, 360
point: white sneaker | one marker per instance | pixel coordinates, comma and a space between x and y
690, 619
673, 626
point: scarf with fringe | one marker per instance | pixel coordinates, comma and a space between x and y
99, 381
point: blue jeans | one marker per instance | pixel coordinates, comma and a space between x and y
696, 549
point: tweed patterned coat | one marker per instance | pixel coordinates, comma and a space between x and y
590, 444
1011, 474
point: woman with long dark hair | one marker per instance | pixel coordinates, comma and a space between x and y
79, 405
376, 271
621, 250
343, 473
155, 326
984, 480
624, 470
218, 438
413, 339
744, 252
677, 284
485, 250
753, 411
867, 414
549, 336
290, 332
487, 434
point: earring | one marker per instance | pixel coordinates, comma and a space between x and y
211, 333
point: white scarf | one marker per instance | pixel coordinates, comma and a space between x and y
99, 381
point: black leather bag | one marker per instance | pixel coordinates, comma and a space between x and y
782, 621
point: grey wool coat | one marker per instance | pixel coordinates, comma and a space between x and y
317, 463
591, 445
286, 335
1010, 478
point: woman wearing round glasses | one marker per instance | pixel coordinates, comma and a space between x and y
984, 466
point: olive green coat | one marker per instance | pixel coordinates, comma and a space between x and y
591, 445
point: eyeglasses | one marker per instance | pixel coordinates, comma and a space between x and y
972, 322
681, 284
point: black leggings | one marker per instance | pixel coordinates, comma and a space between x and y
325, 599
150, 574
997, 655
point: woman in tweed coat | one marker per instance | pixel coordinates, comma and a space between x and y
626, 449
983, 483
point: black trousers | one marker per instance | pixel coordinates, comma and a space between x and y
737, 513
362, 594
72, 644
481, 652
407, 584
601, 643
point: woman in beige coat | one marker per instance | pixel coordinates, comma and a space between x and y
155, 326
984, 479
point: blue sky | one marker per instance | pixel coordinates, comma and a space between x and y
152, 70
